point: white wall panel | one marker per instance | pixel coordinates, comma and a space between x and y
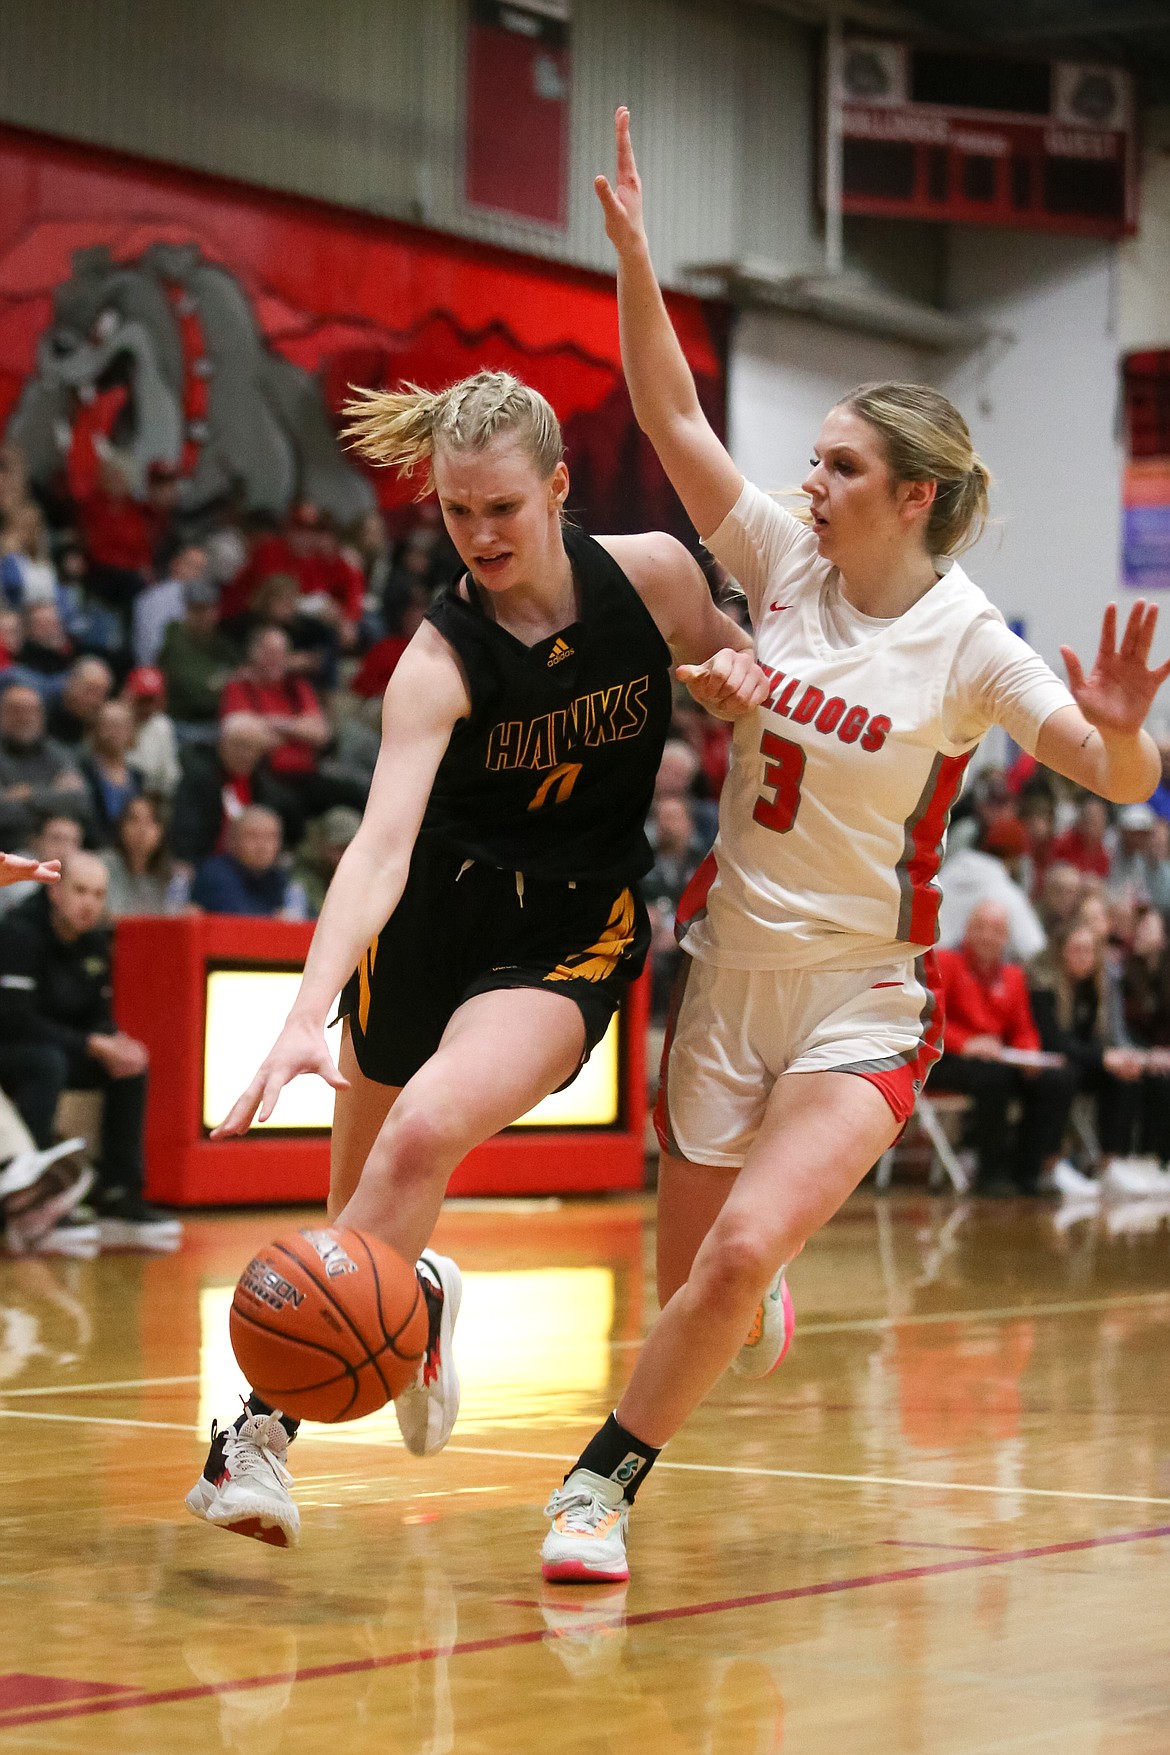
785, 374
1145, 260
1043, 412
361, 102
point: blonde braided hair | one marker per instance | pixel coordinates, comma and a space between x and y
403, 428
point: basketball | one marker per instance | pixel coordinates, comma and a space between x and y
328, 1324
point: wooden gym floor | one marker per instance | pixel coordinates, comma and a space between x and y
942, 1528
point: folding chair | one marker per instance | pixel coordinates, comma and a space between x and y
929, 1113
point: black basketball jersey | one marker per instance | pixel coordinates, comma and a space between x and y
553, 771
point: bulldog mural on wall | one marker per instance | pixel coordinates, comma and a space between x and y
181, 318
200, 389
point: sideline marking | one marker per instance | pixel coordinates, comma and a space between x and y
561, 1456
854, 1480
92, 1388
97, 1420
1007, 1313
503, 1641
851, 1325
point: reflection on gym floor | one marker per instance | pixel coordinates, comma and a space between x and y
949, 1512
534, 1350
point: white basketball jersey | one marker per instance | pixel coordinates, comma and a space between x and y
833, 817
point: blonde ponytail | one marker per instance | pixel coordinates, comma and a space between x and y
392, 426
404, 428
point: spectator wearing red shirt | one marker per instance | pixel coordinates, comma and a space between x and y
121, 534
115, 528
332, 587
1084, 844
268, 687
987, 1011
378, 665
288, 705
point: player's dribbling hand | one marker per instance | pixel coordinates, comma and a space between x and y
729, 685
300, 1048
623, 202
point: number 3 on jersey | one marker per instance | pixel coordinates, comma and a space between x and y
783, 773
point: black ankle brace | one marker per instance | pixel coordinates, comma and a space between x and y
619, 1456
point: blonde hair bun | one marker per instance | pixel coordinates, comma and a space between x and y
927, 439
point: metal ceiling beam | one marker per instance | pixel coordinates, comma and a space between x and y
1078, 21
870, 14
844, 301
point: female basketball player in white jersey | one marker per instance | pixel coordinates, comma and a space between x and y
805, 1027
485, 921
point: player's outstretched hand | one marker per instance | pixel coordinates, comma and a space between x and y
622, 202
15, 869
1117, 693
729, 685
300, 1048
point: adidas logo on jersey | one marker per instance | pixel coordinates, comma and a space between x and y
561, 649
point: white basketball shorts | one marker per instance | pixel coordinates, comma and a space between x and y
733, 1032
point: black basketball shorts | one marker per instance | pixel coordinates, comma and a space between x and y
463, 928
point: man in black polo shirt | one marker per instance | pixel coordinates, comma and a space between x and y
57, 1032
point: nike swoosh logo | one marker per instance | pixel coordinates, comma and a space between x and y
779, 606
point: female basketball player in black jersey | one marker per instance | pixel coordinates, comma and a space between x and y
485, 920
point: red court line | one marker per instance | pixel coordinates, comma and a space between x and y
503, 1641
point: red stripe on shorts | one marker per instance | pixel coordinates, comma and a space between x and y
900, 1085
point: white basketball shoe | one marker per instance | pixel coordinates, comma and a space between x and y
1139, 1177
427, 1411
245, 1484
587, 1541
770, 1335
39, 1189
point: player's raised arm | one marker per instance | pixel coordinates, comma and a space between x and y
661, 386
425, 697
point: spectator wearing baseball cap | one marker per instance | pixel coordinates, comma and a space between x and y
197, 658
1141, 868
154, 755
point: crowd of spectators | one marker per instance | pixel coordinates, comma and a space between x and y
1055, 975
188, 720
161, 673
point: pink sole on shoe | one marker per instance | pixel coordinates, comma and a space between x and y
573, 1572
789, 1327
